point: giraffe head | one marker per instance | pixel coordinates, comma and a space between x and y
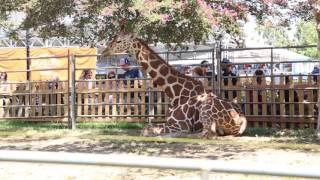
150, 130
121, 43
227, 114
239, 120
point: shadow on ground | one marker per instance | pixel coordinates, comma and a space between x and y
148, 148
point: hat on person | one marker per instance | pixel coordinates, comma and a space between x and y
204, 63
225, 61
124, 61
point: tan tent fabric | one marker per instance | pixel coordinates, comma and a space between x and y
12, 64
59, 60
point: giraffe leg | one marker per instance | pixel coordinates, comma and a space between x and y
177, 122
166, 128
209, 125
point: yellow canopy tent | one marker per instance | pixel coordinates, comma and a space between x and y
59, 62
53, 62
12, 61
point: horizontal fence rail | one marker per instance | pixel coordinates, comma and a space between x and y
205, 166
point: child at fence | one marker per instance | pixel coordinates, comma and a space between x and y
87, 82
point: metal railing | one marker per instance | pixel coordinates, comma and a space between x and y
204, 166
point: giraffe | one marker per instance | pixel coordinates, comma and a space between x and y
183, 115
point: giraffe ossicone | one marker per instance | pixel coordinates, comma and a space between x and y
191, 109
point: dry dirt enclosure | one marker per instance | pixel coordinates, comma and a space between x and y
248, 151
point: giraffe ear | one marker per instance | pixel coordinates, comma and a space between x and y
234, 114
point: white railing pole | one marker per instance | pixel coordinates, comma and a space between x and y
205, 166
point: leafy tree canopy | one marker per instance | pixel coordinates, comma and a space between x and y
89, 22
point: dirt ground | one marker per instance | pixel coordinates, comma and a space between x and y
248, 151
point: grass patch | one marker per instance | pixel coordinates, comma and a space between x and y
110, 125
273, 132
122, 132
15, 125
133, 128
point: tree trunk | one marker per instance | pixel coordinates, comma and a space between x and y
316, 7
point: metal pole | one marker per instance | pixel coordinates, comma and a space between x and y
149, 99
205, 174
219, 55
213, 81
72, 120
273, 109
28, 54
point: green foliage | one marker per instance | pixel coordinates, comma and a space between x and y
274, 35
307, 35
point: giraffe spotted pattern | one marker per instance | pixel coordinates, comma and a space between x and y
191, 108
220, 117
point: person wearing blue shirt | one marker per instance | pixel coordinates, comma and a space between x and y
130, 73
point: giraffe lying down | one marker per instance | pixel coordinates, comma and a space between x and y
217, 117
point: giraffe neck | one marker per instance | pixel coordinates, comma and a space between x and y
175, 84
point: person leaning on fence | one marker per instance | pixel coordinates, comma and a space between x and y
53, 86
315, 72
53, 82
227, 73
130, 73
205, 68
259, 76
113, 85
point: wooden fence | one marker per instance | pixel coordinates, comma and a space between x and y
35, 101
290, 103
114, 99
287, 104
